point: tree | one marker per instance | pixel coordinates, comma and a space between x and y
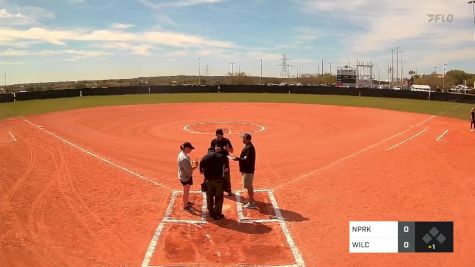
458, 76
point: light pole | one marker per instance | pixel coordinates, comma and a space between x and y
260, 80
397, 65
330, 68
402, 66
473, 10
232, 69
443, 79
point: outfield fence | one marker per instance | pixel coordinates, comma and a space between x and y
318, 90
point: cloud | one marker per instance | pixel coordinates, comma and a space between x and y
177, 3
372, 28
160, 7
136, 49
61, 37
71, 54
121, 26
14, 15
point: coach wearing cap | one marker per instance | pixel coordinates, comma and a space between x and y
185, 172
247, 166
223, 146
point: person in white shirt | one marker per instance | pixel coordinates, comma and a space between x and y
185, 172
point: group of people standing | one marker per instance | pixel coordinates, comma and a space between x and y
215, 168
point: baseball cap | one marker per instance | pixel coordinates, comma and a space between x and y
188, 145
247, 136
219, 131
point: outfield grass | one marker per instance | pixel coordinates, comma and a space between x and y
409, 105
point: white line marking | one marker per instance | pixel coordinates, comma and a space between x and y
99, 157
239, 206
331, 164
442, 136
187, 128
408, 139
166, 220
436, 115
153, 243
171, 220
12, 136
279, 219
350, 156
295, 251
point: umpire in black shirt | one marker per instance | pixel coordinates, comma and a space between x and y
223, 146
213, 166
247, 166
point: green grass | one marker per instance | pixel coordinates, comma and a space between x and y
409, 105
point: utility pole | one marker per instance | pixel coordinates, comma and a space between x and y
232, 69
260, 80
330, 68
322, 66
199, 71
402, 66
207, 69
392, 67
397, 65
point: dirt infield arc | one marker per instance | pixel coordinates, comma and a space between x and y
89, 187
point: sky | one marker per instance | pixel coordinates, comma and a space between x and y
49, 40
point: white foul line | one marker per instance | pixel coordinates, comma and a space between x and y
153, 243
98, 157
442, 136
350, 156
12, 136
408, 139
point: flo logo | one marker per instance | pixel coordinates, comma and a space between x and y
440, 18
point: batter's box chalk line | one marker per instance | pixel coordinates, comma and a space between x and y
250, 127
299, 262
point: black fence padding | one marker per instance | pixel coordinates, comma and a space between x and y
47, 94
239, 89
393, 93
322, 90
182, 89
6, 98
253, 89
129, 90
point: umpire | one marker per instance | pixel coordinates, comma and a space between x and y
223, 146
213, 166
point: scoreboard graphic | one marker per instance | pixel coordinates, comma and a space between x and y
400, 237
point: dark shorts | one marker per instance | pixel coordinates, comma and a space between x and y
189, 182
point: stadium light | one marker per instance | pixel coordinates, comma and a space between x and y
473, 10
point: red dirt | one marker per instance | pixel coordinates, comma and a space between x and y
60, 206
